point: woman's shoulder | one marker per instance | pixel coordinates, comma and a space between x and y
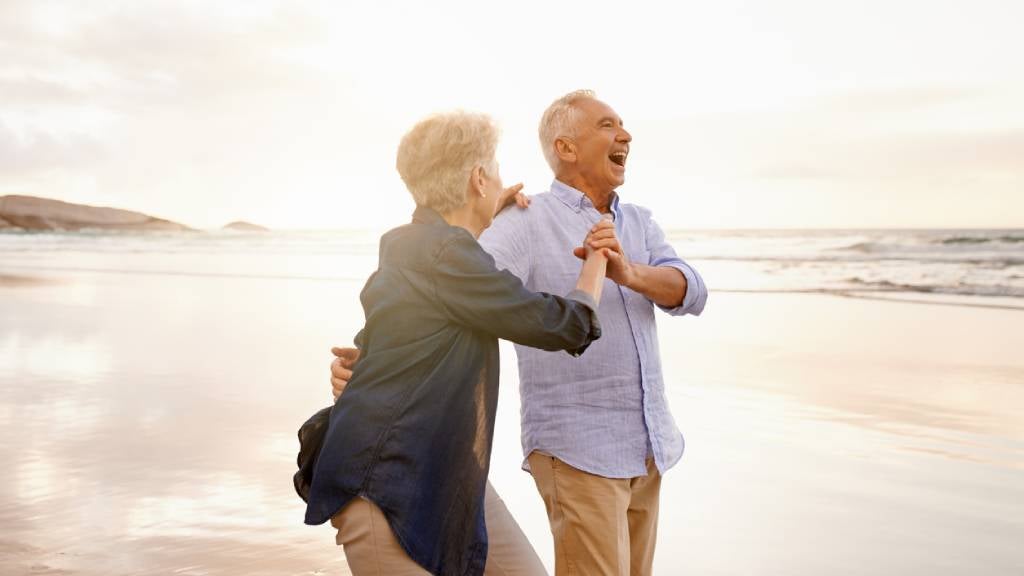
418, 244
460, 248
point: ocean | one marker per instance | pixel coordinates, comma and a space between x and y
967, 267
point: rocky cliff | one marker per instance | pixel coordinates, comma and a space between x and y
32, 213
245, 227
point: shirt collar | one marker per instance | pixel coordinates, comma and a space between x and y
576, 200
427, 215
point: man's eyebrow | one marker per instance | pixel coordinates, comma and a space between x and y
612, 119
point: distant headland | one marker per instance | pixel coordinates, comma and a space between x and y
34, 213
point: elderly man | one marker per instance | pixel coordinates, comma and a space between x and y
597, 433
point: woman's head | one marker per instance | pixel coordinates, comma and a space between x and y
447, 162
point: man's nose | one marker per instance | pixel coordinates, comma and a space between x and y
624, 135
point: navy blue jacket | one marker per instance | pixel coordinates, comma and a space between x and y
412, 432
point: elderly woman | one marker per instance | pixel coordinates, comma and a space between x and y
404, 463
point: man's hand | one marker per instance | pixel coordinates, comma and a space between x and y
602, 237
512, 195
341, 369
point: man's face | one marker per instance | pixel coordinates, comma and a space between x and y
602, 145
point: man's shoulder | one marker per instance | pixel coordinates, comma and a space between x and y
514, 213
642, 213
516, 219
545, 196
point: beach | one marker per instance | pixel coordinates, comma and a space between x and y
193, 196
148, 411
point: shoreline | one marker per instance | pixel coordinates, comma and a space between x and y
969, 300
1006, 303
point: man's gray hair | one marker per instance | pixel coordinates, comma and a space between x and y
560, 121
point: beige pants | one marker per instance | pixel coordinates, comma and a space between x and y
601, 526
372, 549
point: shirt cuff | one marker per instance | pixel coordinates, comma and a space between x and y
583, 298
696, 292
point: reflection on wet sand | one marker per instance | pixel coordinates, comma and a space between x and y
147, 427
13, 281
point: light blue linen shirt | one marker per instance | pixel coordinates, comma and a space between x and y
604, 412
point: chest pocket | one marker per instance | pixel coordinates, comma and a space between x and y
639, 256
637, 303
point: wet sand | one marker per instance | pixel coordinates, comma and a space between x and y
147, 425
13, 281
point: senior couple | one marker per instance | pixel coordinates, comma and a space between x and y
571, 276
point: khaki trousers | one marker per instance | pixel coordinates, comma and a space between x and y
601, 526
372, 549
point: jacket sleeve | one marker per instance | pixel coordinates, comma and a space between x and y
474, 293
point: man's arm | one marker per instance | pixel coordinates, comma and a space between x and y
341, 368
665, 279
665, 286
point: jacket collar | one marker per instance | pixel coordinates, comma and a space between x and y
427, 215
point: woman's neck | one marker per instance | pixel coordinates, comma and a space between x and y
464, 218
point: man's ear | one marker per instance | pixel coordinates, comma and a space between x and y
565, 149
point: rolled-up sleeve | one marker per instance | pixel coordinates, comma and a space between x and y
663, 254
476, 294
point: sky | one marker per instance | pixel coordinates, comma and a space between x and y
782, 114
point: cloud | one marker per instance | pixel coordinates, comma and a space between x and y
899, 101
197, 109
22, 155
921, 133
86, 82
125, 53
25, 91
923, 156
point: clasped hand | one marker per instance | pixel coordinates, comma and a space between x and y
602, 236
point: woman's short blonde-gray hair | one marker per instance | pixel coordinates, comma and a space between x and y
436, 157
560, 121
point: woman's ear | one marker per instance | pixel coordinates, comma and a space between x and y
478, 181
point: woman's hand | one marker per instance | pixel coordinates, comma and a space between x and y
512, 195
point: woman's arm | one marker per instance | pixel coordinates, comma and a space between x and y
474, 293
595, 265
